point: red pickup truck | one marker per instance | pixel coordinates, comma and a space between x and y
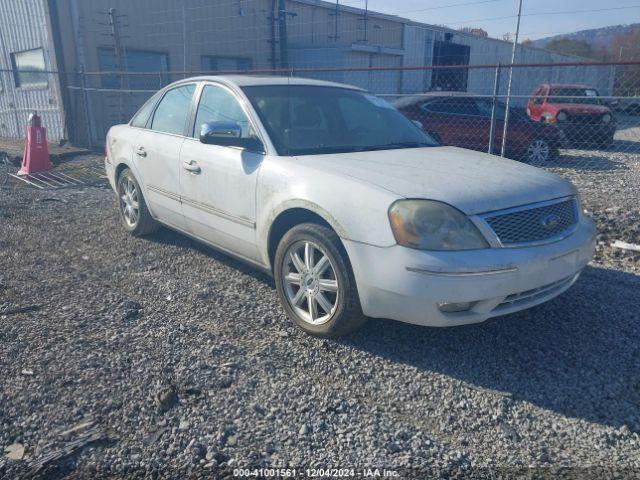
577, 110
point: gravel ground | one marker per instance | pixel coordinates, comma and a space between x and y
168, 359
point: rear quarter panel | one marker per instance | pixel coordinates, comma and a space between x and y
119, 150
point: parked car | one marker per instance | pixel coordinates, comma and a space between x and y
464, 120
630, 106
352, 208
577, 109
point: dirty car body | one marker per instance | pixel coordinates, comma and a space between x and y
343, 199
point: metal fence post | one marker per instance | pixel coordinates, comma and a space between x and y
494, 100
87, 108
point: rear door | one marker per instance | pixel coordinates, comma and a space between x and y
157, 154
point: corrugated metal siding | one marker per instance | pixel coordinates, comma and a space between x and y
23, 26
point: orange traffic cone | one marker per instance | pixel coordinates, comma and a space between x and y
36, 151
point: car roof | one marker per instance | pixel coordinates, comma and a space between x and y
569, 85
260, 80
405, 101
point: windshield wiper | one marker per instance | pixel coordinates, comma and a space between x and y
400, 145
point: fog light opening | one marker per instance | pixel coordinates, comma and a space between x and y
455, 307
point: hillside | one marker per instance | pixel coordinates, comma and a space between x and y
597, 37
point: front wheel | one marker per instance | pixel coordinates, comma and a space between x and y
540, 151
315, 282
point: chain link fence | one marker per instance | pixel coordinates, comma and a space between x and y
580, 120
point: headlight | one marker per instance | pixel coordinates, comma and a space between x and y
431, 225
561, 117
606, 118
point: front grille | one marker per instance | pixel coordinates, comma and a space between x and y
535, 224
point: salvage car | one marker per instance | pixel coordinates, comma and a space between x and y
464, 120
350, 206
577, 109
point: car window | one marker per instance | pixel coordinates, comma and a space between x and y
454, 105
485, 107
171, 114
140, 119
311, 120
219, 105
574, 95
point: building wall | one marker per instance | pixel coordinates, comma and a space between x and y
525, 80
24, 26
227, 33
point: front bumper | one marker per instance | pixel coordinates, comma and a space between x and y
403, 284
110, 170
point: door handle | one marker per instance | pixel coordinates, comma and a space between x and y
141, 152
192, 167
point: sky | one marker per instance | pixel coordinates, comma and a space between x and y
538, 20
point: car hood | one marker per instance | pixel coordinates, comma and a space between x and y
471, 181
581, 109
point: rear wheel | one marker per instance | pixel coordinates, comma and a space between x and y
540, 151
315, 282
132, 207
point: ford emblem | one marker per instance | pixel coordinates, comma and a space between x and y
550, 221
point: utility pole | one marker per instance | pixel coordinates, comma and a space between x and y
365, 22
336, 13
513, 58
117, 45
184, 41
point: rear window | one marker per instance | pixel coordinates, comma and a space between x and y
574, 95
140, 119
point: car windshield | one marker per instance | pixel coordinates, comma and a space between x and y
311, 120
574, 95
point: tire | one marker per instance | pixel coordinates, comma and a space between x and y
540, 150
134, 214
332, 291
605, 144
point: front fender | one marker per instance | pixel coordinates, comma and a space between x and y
356, 210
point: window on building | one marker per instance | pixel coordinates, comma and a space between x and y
154, 65
213, 63
171, 114
29, 68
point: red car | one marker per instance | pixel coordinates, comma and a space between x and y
577, 110
464, 120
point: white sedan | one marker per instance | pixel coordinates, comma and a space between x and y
354, 210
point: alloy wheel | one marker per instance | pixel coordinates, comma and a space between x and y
129, 202
310, 282
538, 151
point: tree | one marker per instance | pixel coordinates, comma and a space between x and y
625, 48
474, 31
568, 46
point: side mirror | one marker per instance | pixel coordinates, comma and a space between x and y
228, 134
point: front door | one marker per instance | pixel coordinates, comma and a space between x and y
218, 184
157, 155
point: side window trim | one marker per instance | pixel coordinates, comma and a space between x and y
188, 119
155, 99
191, 131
